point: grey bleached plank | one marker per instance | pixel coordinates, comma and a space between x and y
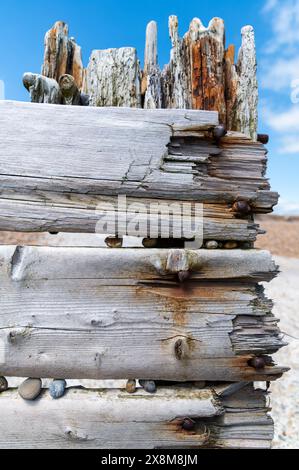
87, 313
113, 419
57, 163
131, 265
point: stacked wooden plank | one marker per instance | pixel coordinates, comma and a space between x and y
193, 321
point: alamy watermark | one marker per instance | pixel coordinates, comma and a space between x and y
178, 220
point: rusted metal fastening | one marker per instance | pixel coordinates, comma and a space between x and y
184, 276
263, 138
114, 242
257, 363
241, 208
219, 132
188, 424
131, 386
178, 263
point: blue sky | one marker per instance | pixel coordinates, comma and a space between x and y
99, 25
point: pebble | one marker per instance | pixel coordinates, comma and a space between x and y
231, 245
57, 388
212, 245
150, 242
131, 386
3, 384
148, 385
30, 389
114, 242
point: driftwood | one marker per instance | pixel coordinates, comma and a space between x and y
42, 89
62, 55
87, 313
201, 73
113, 78
113, 419
58, 170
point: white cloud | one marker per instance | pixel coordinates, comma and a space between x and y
286, 125
279, 75
286, 121
2, 90
284, 20
280, 62
270, 5
286, 207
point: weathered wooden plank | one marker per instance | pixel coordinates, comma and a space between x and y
113, 419
122, 151
87, 314
131, 265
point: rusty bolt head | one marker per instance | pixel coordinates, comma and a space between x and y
241, 208
219, 132
3, 384
131, 386
188, 424
263, 138
257, 363
184, 276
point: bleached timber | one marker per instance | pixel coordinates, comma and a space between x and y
87, 313
62, 55
69, 160
113, 419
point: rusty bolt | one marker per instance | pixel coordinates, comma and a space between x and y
184, 276
263, 138
241, 208
180, 349
114, 242
150, 242
188, 424
131, 386
3, 384
257, 363
219, 132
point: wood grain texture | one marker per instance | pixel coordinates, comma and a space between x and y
62, 55
113, 78
132, 152
113, 419
62, 317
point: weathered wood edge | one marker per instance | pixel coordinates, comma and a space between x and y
114, 419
